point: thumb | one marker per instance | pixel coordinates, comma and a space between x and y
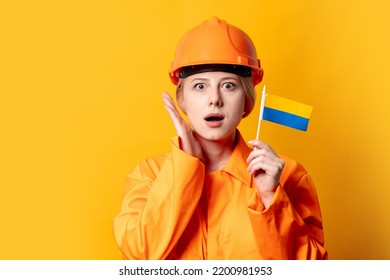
257, 144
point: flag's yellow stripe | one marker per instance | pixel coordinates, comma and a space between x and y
287, 105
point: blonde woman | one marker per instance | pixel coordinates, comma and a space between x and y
213, 196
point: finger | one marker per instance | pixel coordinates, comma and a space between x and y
168, 100
254, 154
265, 163
172, 111
268, 167
262, 152
171, 107
259, 144
176, 118
178, 122
166, 95
266, 156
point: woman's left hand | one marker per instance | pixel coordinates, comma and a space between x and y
266, 167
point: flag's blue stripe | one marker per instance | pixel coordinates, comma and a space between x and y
286, 119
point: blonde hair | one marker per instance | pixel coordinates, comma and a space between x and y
250, 95
247, 85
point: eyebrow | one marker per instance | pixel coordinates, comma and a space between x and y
199, 79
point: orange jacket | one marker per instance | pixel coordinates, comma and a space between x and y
173, 209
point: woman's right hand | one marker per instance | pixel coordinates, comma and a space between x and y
187, 139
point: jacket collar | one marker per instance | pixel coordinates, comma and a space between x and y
237, 165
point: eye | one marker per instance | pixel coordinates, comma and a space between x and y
199, 86
228, 85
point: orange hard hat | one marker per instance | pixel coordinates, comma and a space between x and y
216, 45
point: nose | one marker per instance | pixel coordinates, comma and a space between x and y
215, 98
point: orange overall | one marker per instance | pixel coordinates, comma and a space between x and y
173, 209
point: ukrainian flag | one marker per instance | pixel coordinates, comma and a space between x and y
286, 112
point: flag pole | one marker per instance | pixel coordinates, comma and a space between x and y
261, 112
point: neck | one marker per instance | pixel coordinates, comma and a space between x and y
216, 154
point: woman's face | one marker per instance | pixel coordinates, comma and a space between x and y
214, 103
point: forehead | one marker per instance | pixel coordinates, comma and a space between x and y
217, 75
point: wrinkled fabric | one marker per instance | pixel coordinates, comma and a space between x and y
173, 209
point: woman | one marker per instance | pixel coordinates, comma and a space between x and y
212, 196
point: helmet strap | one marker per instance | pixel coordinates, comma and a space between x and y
241, 70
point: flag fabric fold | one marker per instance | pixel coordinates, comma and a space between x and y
286, 112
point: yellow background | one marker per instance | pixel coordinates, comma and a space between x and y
80, 105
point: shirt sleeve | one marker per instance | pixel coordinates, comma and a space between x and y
158, 202
291, 227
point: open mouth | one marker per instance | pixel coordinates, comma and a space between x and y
214, 117
214, 120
